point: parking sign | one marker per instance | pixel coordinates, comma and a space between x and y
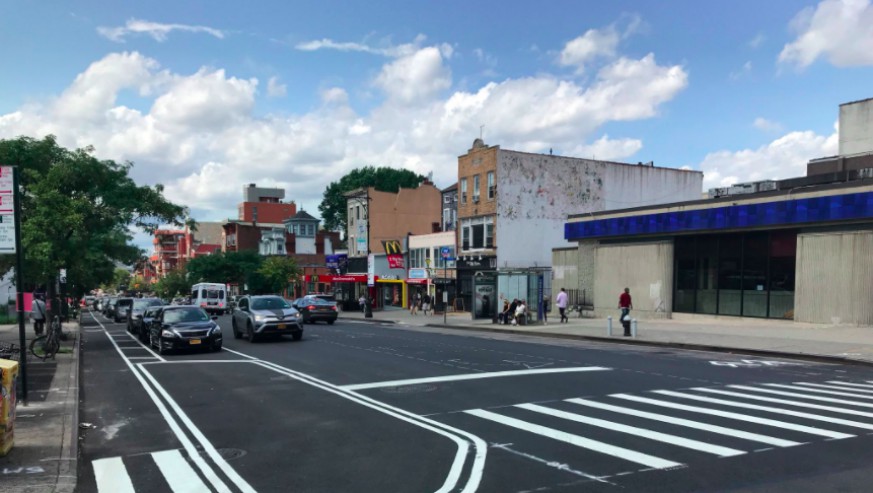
445, 252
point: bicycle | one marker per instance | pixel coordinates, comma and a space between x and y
46, 346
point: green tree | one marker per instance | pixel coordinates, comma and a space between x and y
277, 272
174, 283
333, 204
77, 212
120, 277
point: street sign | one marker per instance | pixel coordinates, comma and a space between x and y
63, 276
445, 252
7, 212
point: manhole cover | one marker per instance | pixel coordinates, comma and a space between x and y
409, 389
231, 453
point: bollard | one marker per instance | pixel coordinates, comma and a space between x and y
609, 326
634, 328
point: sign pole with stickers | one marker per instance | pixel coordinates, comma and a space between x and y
10, 242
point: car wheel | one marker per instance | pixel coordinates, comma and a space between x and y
297, 336
236, 334
330, 322
250, 332
144, 336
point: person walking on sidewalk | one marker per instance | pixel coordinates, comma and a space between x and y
416, 300
38, 313
363, 302
425, 303
626, 304
561, 301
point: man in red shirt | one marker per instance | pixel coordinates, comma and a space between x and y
625, 304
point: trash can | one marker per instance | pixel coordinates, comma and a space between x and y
8, 377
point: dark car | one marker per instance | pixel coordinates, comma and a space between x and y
184, 327
121, 309
315, 309
109, 306
135, 315
145, 325
257, 316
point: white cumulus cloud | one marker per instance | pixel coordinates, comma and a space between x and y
840, 31
785, 157
275, 89
766, 125
156, 30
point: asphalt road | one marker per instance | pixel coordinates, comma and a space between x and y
373, 408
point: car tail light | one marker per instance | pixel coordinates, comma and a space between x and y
202, 305
333, 308
310, 307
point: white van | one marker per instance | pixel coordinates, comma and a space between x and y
210, 296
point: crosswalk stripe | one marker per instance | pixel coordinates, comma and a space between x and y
776, 410
178, 472
836, 387
720, 430
579, 441
851, 384
803, 396
633, 430
818, 391
737, 416
785, 401
111, 476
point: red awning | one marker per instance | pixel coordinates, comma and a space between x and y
417, 281
330, 279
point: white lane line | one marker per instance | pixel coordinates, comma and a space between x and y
837, 387
192, 451
818, 391
697, 425
454, 434
740, 417
633, 430
851, 384
210, 450
842, 410
775, 410
802, 396
111, 476
579, 441
178, 473
472, 376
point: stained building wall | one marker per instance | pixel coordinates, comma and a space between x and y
645, 268
536, 193
834, 278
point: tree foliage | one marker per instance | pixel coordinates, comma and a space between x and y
77, 211
277, 272
333, 204
175, 283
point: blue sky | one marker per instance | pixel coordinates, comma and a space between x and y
207, 96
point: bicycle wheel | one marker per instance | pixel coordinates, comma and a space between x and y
52, 345
38, 347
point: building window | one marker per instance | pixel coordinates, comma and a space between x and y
475, 188
478, 233
463, 190
492, 190
351, 216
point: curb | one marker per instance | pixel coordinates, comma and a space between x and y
820, 358
69, 465
369, 320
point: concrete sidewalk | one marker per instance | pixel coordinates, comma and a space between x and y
837, 343
44, 458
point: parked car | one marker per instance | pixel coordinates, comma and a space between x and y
87, 301
257, 316
184, 327
122, 308
145, 324
135, 315
314, 309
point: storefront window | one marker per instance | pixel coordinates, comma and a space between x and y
783, 256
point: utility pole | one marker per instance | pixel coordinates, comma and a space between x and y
19, 283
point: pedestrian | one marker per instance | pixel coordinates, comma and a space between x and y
416, 300
510, 315
626, 304
38, 313
504, 314
520, 314
561, 301
425, 303
547, 307
363, 302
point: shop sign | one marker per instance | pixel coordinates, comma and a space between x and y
336, 261
417, 274
475, 263
391, 277
416, 281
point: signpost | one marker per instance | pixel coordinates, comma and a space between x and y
10, 242
445, 253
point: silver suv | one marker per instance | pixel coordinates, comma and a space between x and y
258, 316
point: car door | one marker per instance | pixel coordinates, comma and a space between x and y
240, 314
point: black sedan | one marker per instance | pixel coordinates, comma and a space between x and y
315, 309
184, 327
135, 317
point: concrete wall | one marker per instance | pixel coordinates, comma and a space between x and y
834, 281
573, 269
645, 268
856, 127
536, 193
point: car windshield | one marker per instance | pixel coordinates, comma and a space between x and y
143, 304
274, 303
125, 302
317, 301
185, 315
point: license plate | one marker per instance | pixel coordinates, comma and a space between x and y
281, 326
194, 341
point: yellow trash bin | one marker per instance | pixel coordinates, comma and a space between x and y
8, 377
